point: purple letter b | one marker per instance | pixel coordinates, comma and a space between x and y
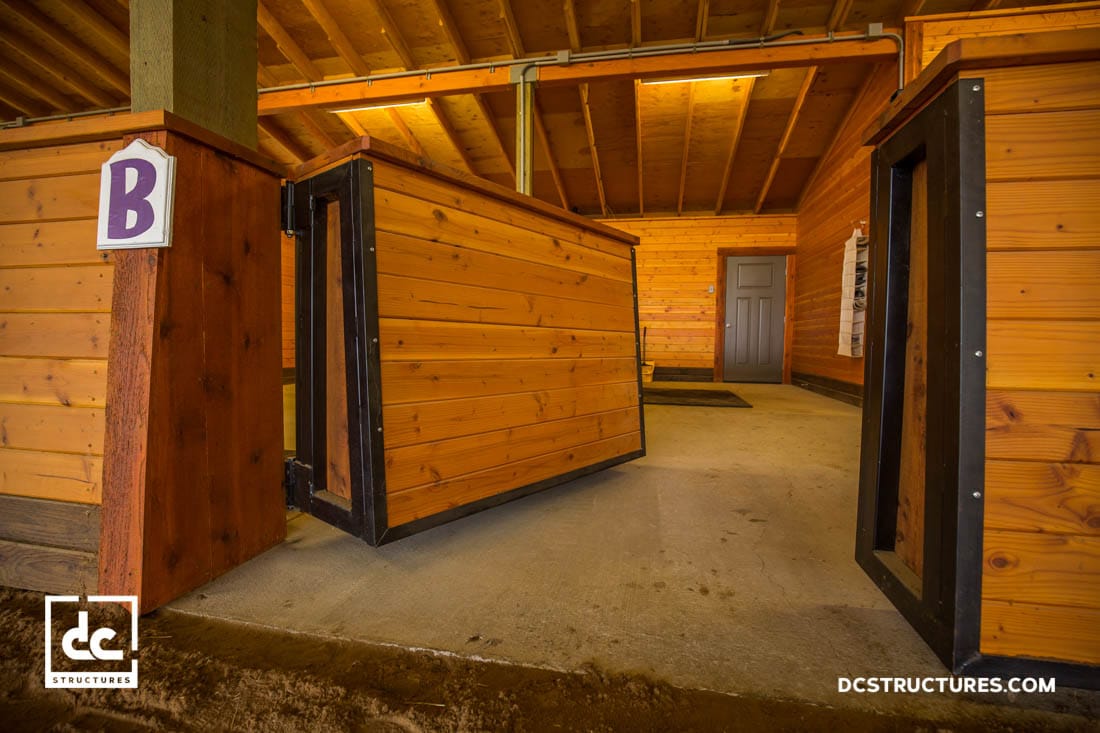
122, 201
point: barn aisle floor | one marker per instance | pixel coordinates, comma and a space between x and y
722, 561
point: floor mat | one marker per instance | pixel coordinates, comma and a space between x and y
693, 397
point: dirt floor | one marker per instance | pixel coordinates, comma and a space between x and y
204, 675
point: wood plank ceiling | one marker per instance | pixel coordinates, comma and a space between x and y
605, 148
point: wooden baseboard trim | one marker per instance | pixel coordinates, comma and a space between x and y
835, 388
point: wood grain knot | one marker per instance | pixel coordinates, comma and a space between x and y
1002, 561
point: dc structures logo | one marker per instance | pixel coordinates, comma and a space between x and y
101, 654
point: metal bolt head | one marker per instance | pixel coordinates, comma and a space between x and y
979, 214
978, 353
977, 495
374, 340
379, 428
977, 87
372, 249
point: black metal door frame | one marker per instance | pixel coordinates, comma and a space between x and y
351, 184
945, 604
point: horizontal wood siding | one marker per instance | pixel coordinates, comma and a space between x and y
837, 200
1041, 577
507, 343
677, 269
55, 303
929, 35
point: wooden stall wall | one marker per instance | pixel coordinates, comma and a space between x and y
1041, 576
926, 36
508, 348
55, 302
836, 200
678, 269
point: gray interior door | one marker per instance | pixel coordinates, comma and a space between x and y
755, 298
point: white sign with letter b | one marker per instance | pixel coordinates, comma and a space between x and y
136, 193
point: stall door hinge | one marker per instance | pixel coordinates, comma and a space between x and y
298, 481
287, 208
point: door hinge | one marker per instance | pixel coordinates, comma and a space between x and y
298, 482
287, 208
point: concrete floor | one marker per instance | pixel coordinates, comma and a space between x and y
721, 561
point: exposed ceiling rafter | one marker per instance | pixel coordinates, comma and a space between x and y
593, 151
686, 149
571, 27
21, 103
702, 17
912, 7
452, 135
99, 25
56, 69
511, 30
738, 127
771, 15
638, 143
799, 100
839, 15
285, 140
635, 23
101, 68
544, 140
391, 34
33, 88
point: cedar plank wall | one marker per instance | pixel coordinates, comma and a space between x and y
837, 198
677, 262
1041, 575
507, 345
926, 36
55, 301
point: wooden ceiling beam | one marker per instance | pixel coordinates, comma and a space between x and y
702, 17
61, 74
348, 118
494, 135
839, 15
287, 46
799, 100
571, 27
285, 140
450, 30
406, 134
28, 85
912, 7
749, 58
452, 135
638, 142
738, 127
309, 121
686, 150
511, 30
103, 28
771, 14
855, 105
23, 105
336, 36
592, 149
68, 43
635, 23
391, 34
544, 140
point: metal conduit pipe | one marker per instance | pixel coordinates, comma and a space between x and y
566, 58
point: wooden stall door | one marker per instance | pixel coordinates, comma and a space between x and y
919, 525
338, 453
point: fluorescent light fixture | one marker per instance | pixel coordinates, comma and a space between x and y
384, 105
746, 75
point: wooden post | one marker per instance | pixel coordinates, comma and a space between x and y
197, 59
